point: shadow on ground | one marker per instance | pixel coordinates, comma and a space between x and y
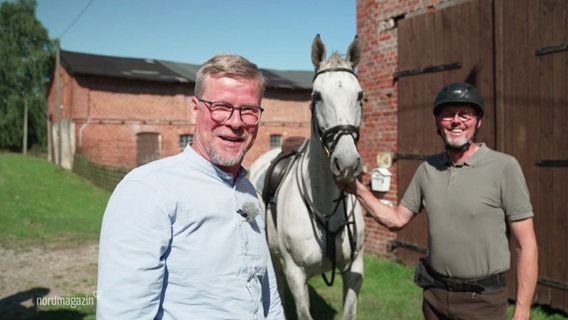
24, 305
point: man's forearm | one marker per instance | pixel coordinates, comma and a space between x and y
527, 273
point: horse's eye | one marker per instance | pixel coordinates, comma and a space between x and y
316, 96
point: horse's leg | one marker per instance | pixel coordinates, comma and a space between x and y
297, 281
352, 282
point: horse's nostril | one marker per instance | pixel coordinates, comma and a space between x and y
336, 167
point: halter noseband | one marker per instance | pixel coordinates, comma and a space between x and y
330, 138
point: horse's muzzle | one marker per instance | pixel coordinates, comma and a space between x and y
346, 174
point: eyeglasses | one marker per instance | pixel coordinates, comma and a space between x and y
463, 115
222, 111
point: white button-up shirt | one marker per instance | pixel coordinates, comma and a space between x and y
182, 239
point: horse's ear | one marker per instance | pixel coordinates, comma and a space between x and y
318, 51
354, 52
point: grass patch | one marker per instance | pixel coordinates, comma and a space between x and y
387, 293
44, 205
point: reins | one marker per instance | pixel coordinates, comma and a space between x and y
322, 220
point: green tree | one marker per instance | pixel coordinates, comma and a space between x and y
26, 63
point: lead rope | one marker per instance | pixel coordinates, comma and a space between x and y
323, 221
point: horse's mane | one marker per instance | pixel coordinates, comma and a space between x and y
334, 61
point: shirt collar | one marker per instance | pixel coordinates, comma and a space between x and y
212, 169
475, 158
472, 161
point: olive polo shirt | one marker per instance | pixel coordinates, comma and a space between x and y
468, 208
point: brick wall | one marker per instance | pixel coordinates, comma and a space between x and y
376, 25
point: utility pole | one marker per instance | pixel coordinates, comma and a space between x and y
25, 135
58, 90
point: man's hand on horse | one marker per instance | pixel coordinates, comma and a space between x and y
349, 186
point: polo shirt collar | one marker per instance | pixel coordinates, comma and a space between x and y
476, 158
470, 162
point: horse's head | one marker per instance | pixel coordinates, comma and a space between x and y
337, 99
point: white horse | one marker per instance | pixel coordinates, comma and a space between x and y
317, 228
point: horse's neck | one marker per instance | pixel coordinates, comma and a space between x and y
318, 185
320, 182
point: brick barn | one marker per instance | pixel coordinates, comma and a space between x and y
124, 112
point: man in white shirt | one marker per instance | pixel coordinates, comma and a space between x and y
183, 237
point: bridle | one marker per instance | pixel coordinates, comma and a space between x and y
331, 136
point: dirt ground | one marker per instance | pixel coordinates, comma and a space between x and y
37, 273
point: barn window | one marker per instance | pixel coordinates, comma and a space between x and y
275, 140
184, 140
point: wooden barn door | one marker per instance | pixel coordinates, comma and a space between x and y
453, 44
532, 86
148, 147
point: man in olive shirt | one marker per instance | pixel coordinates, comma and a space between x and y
472, 195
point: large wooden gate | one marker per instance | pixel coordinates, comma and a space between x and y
515, 52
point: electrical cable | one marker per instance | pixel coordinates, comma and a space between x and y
76, 19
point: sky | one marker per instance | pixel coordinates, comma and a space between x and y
274, 34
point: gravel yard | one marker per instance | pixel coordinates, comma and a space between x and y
44, 273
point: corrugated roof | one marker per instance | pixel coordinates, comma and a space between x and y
165, 71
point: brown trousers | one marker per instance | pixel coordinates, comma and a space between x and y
440, 304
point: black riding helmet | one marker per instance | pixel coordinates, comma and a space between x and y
459, 92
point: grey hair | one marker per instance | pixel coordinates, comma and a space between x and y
228, 65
